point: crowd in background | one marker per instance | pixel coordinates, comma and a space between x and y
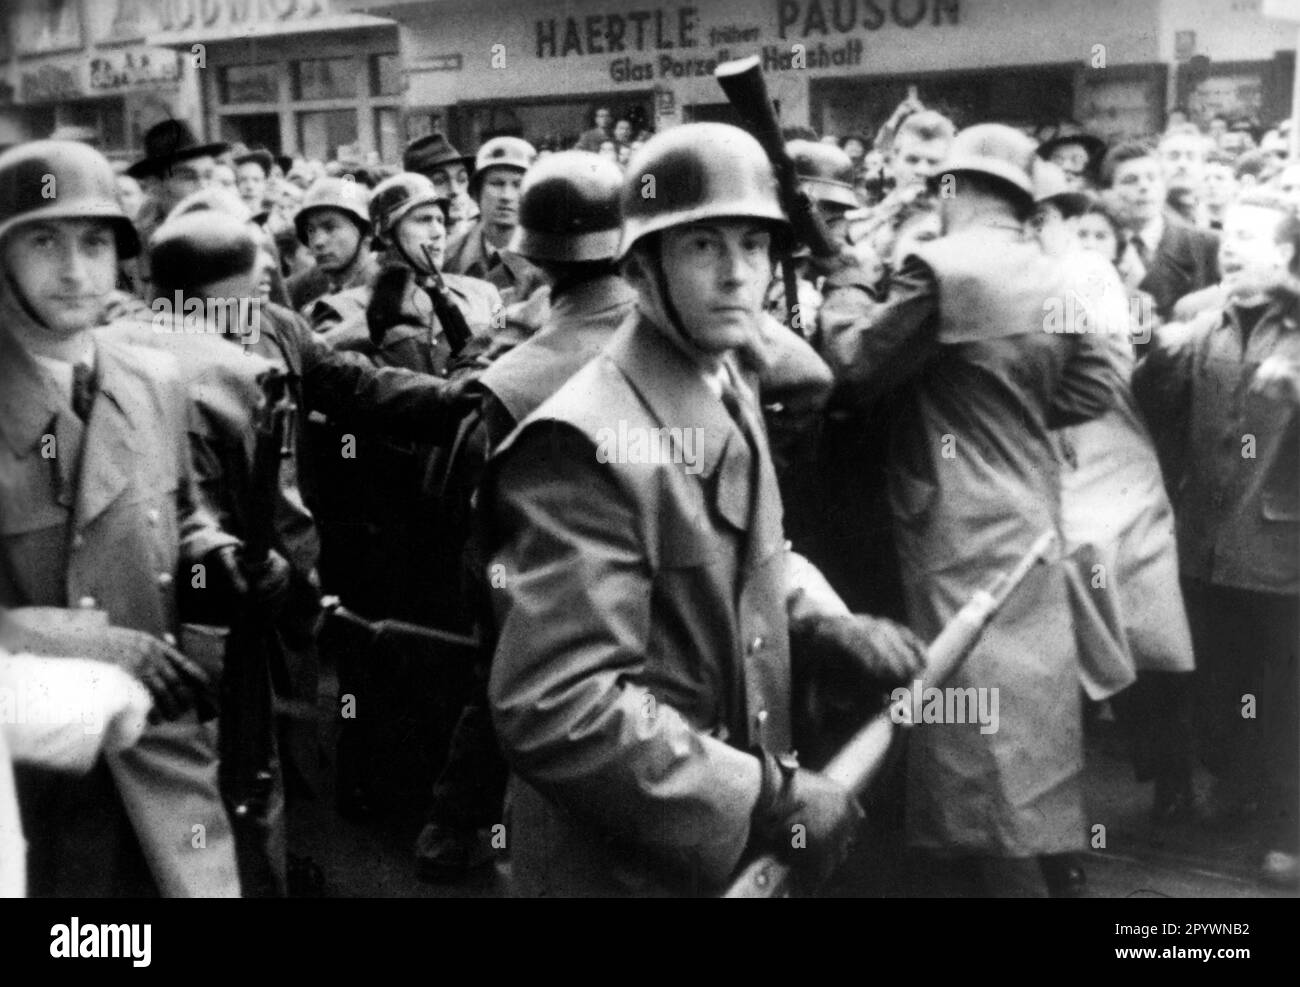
388, 291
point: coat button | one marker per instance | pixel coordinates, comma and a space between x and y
78, 542
88, 603
756, 645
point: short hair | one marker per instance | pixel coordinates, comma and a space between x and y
1218, 157
1122, 153
927, 125
1256, 164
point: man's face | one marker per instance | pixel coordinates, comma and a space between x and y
452, 182
914, 160
129, 195
1217, 128
623, 131
1183, 159
423, 226
499, 196
1218, 185
604, 118
187, 177
64, 269
1073, 160
1288, 183
855, 149
250, 181
717, 274
333, 240
1250, 257
1139, 190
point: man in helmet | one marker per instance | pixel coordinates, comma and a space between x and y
333, 222
569, 226
977, 383
643, 591
102, 516
483, 249
407, 306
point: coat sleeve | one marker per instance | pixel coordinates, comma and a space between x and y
873, 348
1162, 390
351, 390
573, 612
1089, 385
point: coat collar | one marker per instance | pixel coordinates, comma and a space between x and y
674, 388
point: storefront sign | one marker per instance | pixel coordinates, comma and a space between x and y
49, 83
659, 44
182, 15
122, 70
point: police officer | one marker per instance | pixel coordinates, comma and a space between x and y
333, 222
569, 226
414, 319
974, 480
643, 591
100, 512
481, 250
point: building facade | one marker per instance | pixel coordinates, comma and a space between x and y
839, 66
76, 66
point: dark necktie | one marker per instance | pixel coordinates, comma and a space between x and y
1141, 248
84, 387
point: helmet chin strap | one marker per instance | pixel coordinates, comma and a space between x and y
664, 301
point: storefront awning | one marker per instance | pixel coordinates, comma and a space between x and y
267, 29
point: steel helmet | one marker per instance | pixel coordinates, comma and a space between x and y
51, 179
825, 172
346, 195
568, 209
501, 152
993, 149
394, 197
693, 172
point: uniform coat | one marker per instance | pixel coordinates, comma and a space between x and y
643, 630
113, 532
515, 277
1185, 260
973, 481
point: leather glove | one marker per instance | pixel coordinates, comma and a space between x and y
874, 646
266, 583
791, 797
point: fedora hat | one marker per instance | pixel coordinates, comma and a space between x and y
170, 142
424, 154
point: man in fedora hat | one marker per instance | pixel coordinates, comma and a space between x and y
437, 159
175, 164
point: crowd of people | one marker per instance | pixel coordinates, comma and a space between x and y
664, 489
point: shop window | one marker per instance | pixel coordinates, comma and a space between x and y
253, 129
248, 84
322, 132
388, 133
385, 75
325, 78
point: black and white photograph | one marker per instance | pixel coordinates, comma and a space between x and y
470, 449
